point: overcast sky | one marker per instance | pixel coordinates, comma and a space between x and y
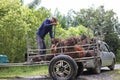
65, 5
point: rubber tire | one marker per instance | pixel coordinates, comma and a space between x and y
111, 67
80, 68
69, 60
90, 70
97, 69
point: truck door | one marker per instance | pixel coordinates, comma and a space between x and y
105, 56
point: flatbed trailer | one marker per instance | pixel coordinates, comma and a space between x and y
67, 65
62, 65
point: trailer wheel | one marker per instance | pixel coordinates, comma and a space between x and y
63, 67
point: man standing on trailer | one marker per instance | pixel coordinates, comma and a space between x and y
45, 28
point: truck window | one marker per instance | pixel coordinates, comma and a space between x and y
104, 48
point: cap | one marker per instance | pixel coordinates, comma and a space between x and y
55, 19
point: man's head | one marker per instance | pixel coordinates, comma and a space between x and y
53, 20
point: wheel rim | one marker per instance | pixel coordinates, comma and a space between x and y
62, 69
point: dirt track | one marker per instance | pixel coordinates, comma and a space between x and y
105, 74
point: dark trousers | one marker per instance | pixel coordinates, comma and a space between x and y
41, 45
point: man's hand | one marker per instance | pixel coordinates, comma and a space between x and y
52, 39
54, 24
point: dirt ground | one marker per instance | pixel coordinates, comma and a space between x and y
105, 74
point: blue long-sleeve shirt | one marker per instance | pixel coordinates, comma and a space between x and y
45, 28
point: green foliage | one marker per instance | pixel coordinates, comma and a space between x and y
12, 29
113, 41
72, 31
102, 21
118, 56
34, 4
17, 24
61, 18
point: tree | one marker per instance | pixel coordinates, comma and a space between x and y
70, 18
61, 18
113, 41
33, 4
16, 25
66, 20
72, 31
104, 22
12, 29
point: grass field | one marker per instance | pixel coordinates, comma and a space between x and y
22, 71
117, 74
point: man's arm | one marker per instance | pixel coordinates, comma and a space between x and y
47, 23
51, 33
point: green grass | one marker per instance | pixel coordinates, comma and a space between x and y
23, 71
116, 74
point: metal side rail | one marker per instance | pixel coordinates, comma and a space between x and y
24, 64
